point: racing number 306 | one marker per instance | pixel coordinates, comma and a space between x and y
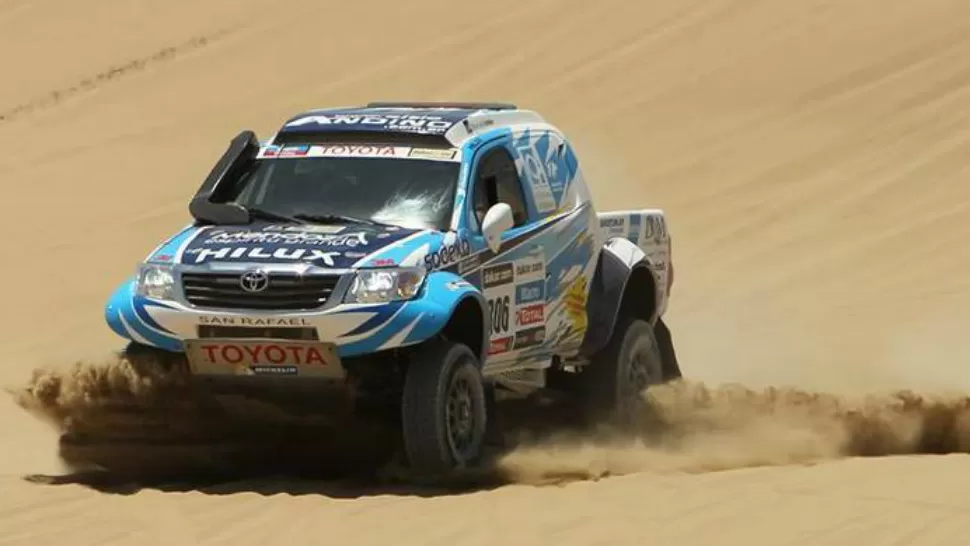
498, 309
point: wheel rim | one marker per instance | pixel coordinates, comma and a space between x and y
460, 417
639, 376
639, 373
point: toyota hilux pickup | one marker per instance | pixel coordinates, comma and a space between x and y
425, 255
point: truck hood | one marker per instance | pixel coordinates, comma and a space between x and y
331, 246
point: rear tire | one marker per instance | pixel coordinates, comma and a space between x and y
444, 415
615, 380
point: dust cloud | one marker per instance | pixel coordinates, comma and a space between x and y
124, 416
148, 427
690, 427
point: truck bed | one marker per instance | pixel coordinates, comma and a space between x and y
647, 229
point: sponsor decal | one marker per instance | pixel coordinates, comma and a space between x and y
447, 254
457, 285
497, 275
274, 370
515, 292
530, 292
306, 229
535, 171
200, 255
419, 123
319, 245
530, 337
384, 262
216, 320
499, 346
469, 264
263, 357
613, 226
531, 314
351, 240
528, 268
612, 222
544, 161
260, 354
655, 229
295, 151
432, 153
358, 150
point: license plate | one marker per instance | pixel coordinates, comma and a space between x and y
263, 358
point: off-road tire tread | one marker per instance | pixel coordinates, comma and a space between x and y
423, 422
600, 386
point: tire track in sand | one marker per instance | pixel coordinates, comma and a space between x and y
112, 74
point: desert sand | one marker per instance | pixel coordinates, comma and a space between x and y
813, 160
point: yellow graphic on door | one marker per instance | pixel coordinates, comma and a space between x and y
575, 302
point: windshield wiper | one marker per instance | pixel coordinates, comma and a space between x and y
336, 218
270, 215
303, 218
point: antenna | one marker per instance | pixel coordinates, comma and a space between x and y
458, 105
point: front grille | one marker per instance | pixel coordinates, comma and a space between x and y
251, 332
286, 291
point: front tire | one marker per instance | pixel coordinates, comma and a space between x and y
444, 416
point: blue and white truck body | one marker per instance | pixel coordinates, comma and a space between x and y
361, 231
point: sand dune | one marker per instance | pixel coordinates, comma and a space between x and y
812, 157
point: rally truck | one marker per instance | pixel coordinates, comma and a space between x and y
422, 257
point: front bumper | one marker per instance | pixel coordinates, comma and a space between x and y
355, 329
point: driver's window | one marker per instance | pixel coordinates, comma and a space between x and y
497, 181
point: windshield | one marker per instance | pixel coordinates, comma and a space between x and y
411, 193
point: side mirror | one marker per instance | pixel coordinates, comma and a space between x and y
497, 221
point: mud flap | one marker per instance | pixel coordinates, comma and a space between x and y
665, 343
494, 433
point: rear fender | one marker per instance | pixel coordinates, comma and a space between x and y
619, 259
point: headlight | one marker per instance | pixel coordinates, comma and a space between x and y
384, 285
155, 281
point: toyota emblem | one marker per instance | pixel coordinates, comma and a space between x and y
254, 281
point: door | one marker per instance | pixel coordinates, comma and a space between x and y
513, 280
566, 227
